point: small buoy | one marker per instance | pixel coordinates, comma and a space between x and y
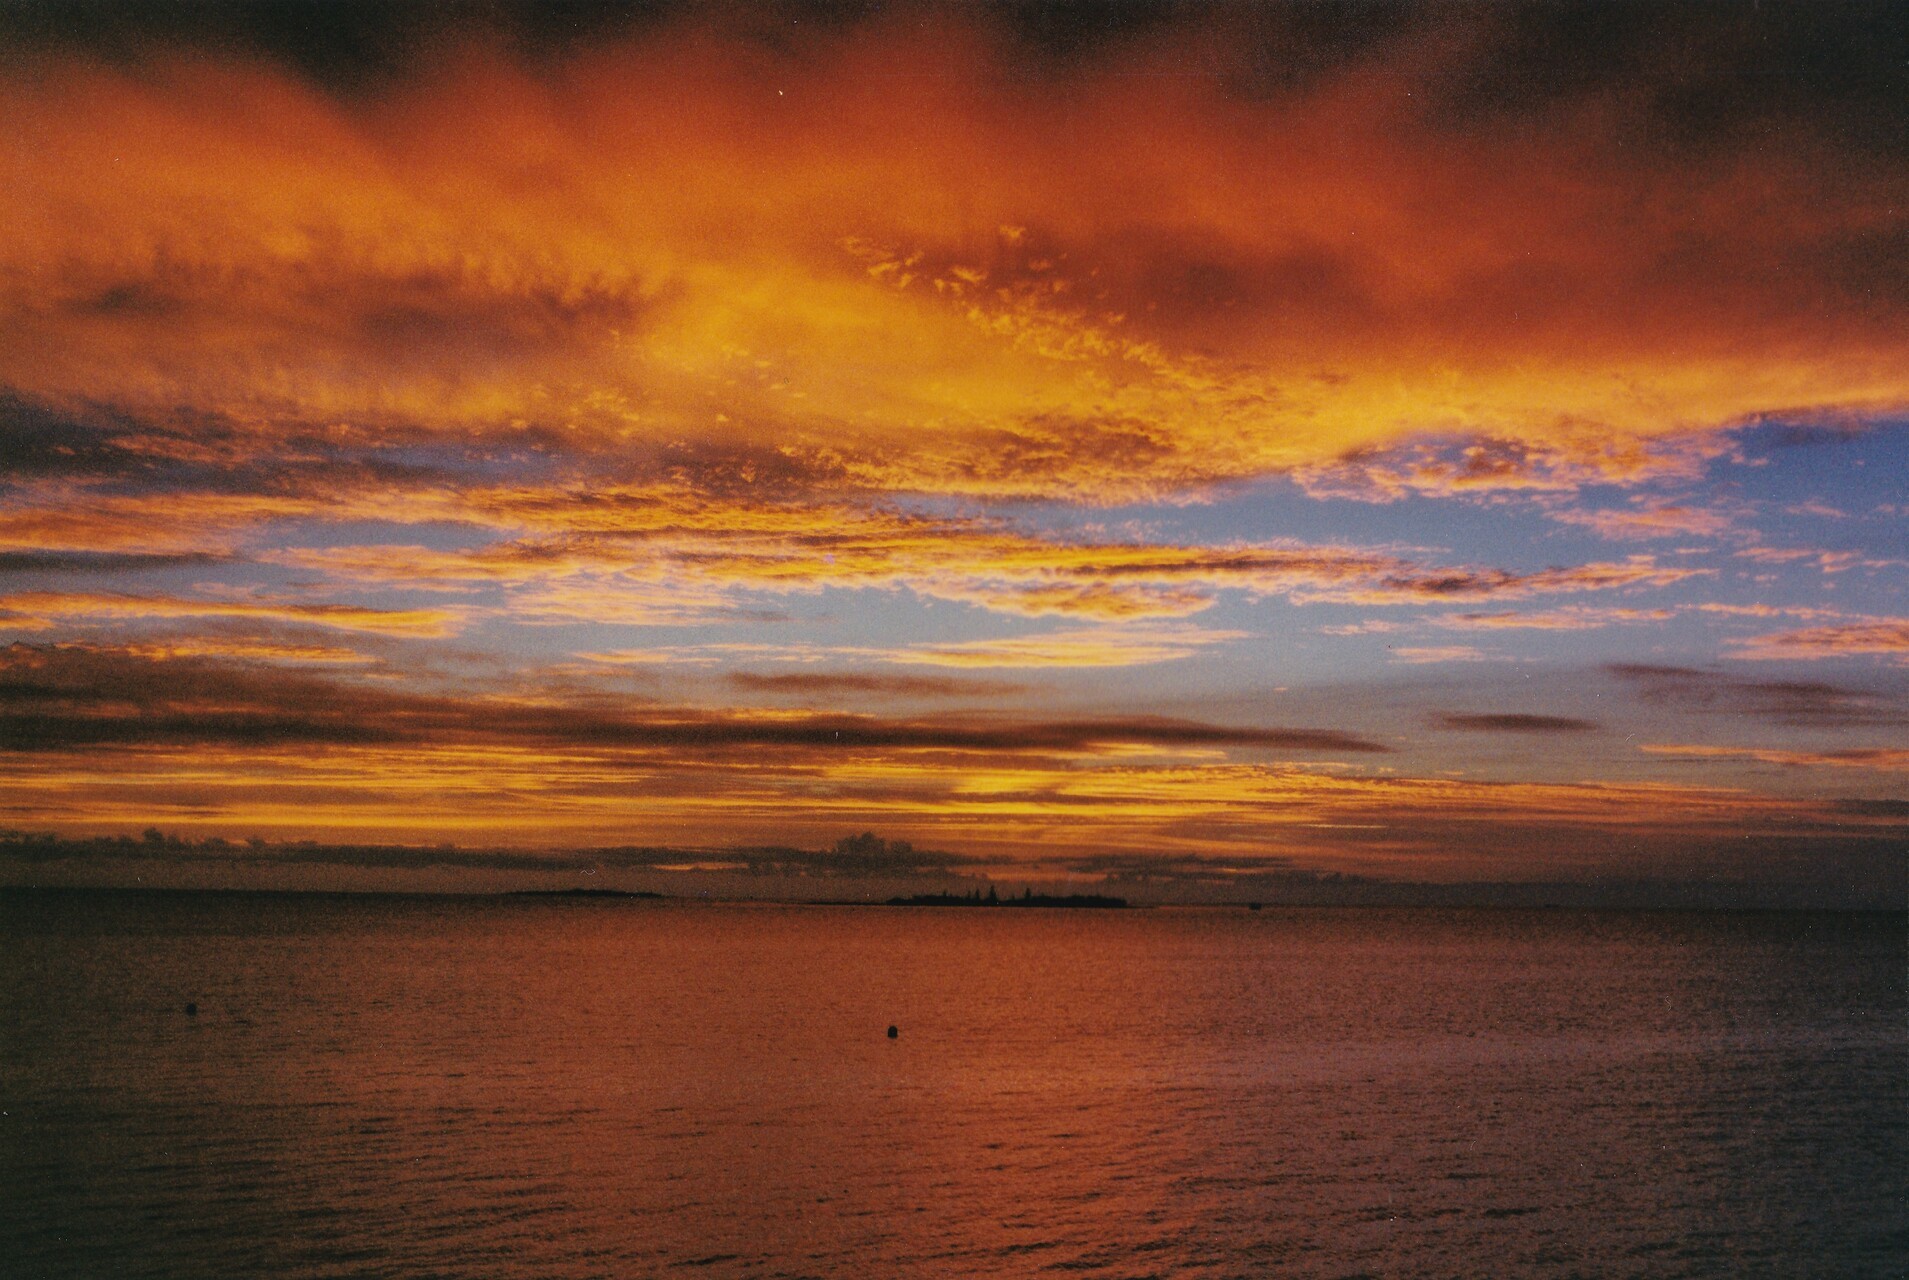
192, 1010
894, 1033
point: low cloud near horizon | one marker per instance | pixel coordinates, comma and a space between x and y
1458, 447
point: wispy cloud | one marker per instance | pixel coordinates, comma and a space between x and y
1887, 759
1805, 612
61, 697
673, 554
40, 609
981, 297
1112, 645
1803, 703
1827, 562
1569, 618
1493, 469
1511, 722
1427, 586
1884, 637
1422, 655
243, 647
838, 684
1082, 647
1650, 520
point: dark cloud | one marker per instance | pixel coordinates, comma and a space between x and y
122, 451
1512, 723
1799, 703
349, 43
50, 731
1464, 584
1776, 433
65, 697
848, 857
863, 855
79, 676
84, 562
433, 314
692, 729
1258, 871
1877, 808
1683, 75
430, 318
829, 683
38, 441
1471, 584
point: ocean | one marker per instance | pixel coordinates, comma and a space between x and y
498, 1087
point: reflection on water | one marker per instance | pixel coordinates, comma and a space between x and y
408, 1087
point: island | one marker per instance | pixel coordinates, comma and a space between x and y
1028, 898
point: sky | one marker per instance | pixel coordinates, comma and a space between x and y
1200, 447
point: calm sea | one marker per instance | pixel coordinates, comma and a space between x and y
381, 1086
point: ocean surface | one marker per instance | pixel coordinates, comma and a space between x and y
388, 1086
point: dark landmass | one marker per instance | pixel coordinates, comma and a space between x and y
857, 871
1092, 900
32, 898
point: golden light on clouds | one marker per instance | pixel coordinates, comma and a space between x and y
1209, 436
38, 610
894, 265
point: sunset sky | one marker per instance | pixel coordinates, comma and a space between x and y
1221, 444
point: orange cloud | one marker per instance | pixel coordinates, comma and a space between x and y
243, 649
838, 684
670, 558
1110, 645
673, 329
37, 610
1569, 618
1767, 611
1421, 655
1420, 586
1887, 759
1830, 562
1562, 461
1657, 520
1885, 636
899, 265
68, 518
97, 736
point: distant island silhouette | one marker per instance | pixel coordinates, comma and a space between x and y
857, 870
1028, 898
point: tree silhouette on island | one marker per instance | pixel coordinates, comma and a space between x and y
869, 851
1028, 898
